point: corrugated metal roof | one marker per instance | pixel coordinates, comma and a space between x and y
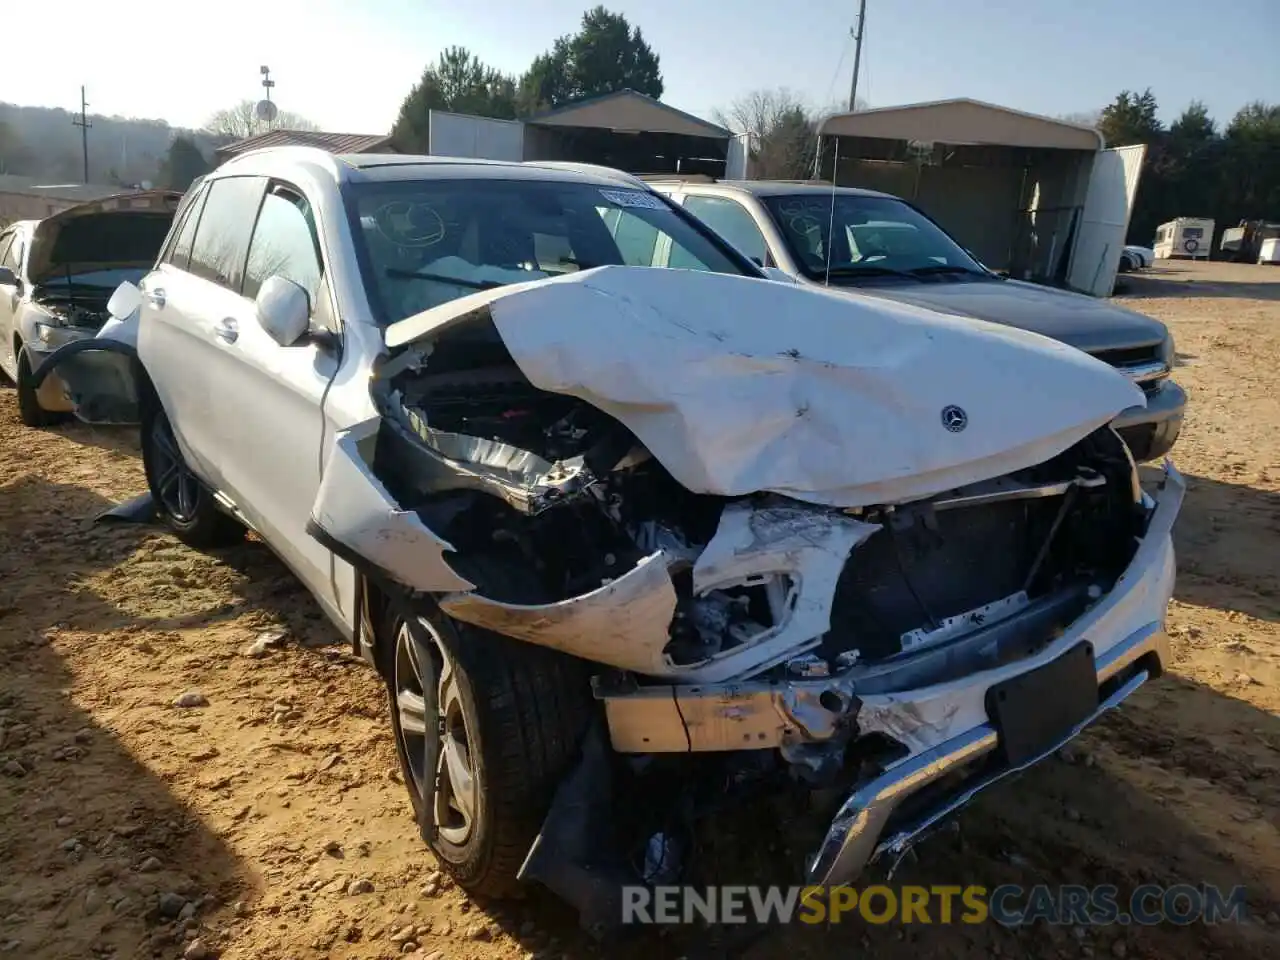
962, 121
333, 142
653, 116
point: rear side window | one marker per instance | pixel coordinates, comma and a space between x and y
178, 248
222, 236
284, 244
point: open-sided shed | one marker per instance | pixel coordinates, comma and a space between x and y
625, 130
1038, 197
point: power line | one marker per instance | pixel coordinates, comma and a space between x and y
84, 125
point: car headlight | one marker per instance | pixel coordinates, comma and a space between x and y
52, 336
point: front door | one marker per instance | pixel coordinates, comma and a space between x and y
268, 422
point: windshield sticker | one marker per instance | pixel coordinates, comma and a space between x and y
634, 198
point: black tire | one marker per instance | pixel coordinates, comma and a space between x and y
194, 518
525, 710
29, 410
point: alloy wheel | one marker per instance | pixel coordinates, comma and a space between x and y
433, 732
176, 485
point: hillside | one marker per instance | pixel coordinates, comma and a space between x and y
43, 142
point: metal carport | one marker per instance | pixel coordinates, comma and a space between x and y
625, 130
1038, 197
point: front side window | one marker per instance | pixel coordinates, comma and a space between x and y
284, 244
864, 236
425, 242
222, 235
6, 241
732, 221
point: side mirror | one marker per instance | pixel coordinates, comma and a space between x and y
8, 278
125, 301
284, 310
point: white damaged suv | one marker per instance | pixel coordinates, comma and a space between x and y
618, 536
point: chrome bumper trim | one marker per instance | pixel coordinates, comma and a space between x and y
854, 837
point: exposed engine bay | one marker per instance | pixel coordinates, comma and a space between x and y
565, 501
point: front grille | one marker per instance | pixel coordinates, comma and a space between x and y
1129, 355
1143, 365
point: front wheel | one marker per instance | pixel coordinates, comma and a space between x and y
485, 728
30, 412
182, 502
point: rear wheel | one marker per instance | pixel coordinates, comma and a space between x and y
30, 412
182, 502
485, 728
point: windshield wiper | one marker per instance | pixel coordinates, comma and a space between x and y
442, 278
872, 271
941, 268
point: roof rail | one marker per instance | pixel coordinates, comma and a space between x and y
678, 177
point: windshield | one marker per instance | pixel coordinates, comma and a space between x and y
426, 242
870, 236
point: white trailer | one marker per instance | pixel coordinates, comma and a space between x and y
1186, 238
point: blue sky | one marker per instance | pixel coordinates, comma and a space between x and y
347, 65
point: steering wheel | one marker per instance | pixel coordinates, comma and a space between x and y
410, 224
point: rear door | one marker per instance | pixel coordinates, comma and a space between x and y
1113, 184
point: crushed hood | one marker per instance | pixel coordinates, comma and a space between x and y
738, 385
126, 230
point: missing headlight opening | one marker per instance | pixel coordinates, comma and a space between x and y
740, 636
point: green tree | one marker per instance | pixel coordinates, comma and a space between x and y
457, 82
1251, 171
606, 55
182, 163
15, 156
1130, 118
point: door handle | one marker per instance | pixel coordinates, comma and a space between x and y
155, 297
227, 329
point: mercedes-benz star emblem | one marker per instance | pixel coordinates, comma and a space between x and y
954, 418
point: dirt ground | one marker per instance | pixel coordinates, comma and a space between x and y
130, 827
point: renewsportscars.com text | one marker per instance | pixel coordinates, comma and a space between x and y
1010, 905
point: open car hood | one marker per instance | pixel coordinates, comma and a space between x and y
738, 385
126, 230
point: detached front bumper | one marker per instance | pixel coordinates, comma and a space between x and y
1126, 631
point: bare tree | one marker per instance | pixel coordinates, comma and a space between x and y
782, 128
1082, 118
241, 120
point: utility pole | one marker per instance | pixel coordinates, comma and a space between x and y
857, 55
84, 125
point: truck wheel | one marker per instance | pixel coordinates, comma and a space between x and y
29, 410
182, 502
485, 728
